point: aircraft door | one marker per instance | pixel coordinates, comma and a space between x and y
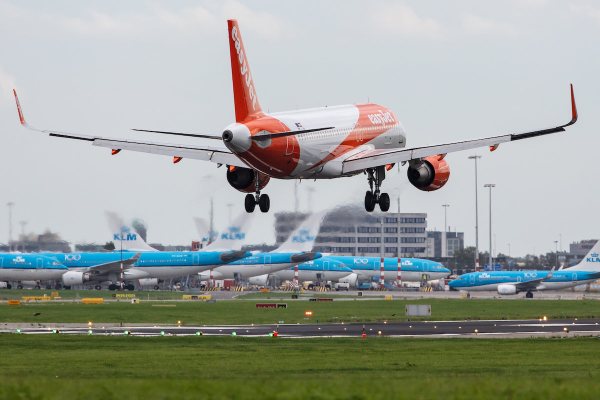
574, 276
267, 260
196, 259
290, 145
39, 263
472, 279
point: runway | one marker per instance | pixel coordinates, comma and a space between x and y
481, 329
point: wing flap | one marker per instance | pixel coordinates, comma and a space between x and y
114, 266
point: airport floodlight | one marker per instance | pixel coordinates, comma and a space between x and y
490, 186
475, 157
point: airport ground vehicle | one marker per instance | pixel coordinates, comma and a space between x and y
317, 143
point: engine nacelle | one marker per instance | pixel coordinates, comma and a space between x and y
260, 280
244, 179
148, 281
75, 278
431, 173
352, 279
507, 289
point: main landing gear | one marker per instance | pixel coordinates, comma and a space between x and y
372, 197
251, 200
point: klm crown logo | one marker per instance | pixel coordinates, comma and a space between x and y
234, 233
18, 259
125, 235
303, 236
594, 257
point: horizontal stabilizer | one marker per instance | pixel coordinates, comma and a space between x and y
268, 136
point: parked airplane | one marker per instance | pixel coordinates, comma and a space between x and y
29, 267
353, 269
513, 282
146, 267
318, 143
409, 269
295, 250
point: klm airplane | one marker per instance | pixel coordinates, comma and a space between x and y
145, 267
353, 269
295, 250
513, 282
322, 269
411, 269
29, 267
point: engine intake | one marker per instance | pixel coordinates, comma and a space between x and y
429, 174
244, 179
75, 278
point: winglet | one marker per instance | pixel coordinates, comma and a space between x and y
574, 114
19, 110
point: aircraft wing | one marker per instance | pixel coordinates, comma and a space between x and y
529, 285
376, 158
177, 151
113, 266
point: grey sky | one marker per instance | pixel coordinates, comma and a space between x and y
450, 70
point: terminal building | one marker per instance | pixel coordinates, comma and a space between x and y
455, 241
352, 231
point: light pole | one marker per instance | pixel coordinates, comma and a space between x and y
445, 233
556, 252
10, 206
490, 186
475, 158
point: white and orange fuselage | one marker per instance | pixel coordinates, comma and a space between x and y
319, 155
354, 129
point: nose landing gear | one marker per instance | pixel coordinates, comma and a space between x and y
373, 197
251, 200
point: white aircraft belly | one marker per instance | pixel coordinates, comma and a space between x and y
29, 274
248, 271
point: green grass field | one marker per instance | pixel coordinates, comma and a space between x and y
65, 367
245, 312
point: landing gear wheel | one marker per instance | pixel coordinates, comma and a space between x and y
98, 287
156, 287
384, 202
8, 286
370, 201
112, 286
264, 203
529, 295
19, 286
249, 203
129, 287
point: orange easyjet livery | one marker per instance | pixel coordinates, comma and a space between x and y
317, 143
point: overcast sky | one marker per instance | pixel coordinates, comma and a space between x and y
450, 70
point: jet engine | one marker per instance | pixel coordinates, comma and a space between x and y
75, 278
428, 174
352, 279
244, 179
507, 289
260, 280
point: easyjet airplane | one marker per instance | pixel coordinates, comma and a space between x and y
318, 143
